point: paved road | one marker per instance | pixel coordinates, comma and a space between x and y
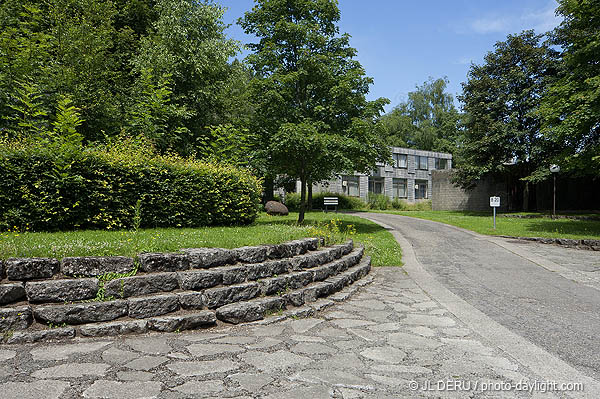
374, 345
546, 294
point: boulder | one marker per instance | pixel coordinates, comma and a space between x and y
276, 208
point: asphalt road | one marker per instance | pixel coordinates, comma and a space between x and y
553, 311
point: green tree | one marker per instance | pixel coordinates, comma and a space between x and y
428, 120
501, 99
188, 44
571, 106
311, 115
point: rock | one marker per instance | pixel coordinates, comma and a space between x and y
18, 318
141, 308
26, 337
276, 208
11, 292
241, 312
198, 280
202, 258
31, 268
267, 269
114, 328
92, 266
250, 254
62, 290
158, 262
191, 300
141, 285
182, 322
81, 313
2, 270
217, 297
233, 274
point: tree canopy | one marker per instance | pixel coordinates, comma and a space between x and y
154, 67
501, 101
311, 112
427, 120
571, 107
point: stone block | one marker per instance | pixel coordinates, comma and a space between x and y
305, 261
80, 313
26, 337
61, 290
126, 287
241, 312
294, 298
158, 262
141, 308
191, 300
17, 318
278, 251
273, 304
312, 244
297, 247
199, 279
31, 268
114, 328
217, 297
92, 266
11, 292
233, 274
192, 321
274, 285
267, 269
250, 254
2, 270
202, 258
299, 279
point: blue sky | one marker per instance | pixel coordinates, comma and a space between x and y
401, 43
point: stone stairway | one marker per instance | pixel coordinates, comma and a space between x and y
44, 299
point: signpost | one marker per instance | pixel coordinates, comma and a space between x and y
495, 203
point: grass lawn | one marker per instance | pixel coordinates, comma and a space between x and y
538, 227
266, 230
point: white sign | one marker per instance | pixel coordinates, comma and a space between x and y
495, 202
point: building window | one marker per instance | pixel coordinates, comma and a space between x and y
399, 188
400, 160
420, 189
441, 163
422, 162
376, 185
350, 186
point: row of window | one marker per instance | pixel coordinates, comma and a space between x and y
351, 187
421, 162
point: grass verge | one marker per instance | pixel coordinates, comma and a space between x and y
537, 227
379, 243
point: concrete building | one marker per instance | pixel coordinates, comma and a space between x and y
407, 178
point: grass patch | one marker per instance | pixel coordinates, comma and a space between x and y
266, 230
538, 227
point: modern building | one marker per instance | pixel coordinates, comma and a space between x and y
407, 178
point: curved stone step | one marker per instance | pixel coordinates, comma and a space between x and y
256, 309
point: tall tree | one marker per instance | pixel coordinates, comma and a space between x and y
571, 107
311, 110
428, 120
501, 99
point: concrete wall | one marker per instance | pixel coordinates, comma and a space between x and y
448, 197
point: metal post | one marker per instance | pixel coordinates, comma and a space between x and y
494, 218
554, 198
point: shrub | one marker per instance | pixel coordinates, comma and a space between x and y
379, 201
292, 201
49, 187
402, 205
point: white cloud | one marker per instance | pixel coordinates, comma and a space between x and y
541, 21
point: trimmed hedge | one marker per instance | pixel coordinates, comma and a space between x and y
57, 188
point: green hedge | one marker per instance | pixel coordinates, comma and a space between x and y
292, 201
57, 188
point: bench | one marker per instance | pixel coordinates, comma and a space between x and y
330, 201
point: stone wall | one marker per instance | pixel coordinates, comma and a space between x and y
448, 197
43, 298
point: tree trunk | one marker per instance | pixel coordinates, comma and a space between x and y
526, 197
302, 199
309, 200
268, 186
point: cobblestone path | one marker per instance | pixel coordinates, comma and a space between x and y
388, 337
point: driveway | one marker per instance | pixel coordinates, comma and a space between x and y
546, 294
